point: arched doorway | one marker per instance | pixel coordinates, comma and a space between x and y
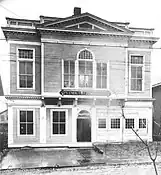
84, 126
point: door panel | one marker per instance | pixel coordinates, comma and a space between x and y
83, 130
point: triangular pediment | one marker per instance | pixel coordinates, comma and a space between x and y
87, 21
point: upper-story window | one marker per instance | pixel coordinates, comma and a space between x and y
136, 72
69, 73
84, 72
25, 68
85, 62
101, 75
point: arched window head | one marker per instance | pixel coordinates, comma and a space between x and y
83, 114
85, 54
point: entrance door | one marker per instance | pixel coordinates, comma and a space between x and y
83, 127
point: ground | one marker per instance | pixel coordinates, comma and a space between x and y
117, 159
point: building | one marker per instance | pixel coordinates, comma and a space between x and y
156, 94
70, 76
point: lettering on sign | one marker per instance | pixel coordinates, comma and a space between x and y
67, 92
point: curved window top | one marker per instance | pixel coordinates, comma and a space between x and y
84, 114
85, 54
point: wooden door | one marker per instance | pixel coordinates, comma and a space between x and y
83, 130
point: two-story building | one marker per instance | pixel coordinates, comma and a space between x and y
69, 76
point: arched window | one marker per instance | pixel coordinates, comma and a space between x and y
84, 114
85, 62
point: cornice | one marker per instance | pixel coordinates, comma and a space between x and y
23, 97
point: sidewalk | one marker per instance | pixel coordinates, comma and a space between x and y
50, 157
114, 154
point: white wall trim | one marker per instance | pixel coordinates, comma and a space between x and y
42, 68
66, 122
42, 125
139, 49
105, 44
126, 72
25, 43
23, 59
10, 125
18, 122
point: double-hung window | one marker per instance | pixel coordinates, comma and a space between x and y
85, 62
59, 122
26, 122
101, 75
136, 72
69, 74
142, 123
26, 68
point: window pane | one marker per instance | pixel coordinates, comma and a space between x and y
101, 123
104, 69
29, 128
55, 129
29, 68
29, 116
22, 81
98, 81
98, 68
72, 67
55, 116
22, 67
66, 67
28, 54
22, 116
139, 72
115, 123
137, 59
129, 123
29, 81
85, 54
81, 81
88, 81
142, 123
89, 67
133, 84
104, 82
22, 128
62, 116
62, 129
72, 81
133, 72
139, 84
81, 67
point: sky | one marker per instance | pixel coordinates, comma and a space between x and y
140, 13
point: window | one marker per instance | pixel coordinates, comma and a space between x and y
26, 122
129, 123
85, 69
84, 72
115, 123
101, 75
136, 70
58, 122
69, 74
26, 68
101, 123
142, 123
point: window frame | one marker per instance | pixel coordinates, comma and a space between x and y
138, 65
66, 122
145, 124
115, 118
63, 87
98, 123
107, 75
18, 122
93, 68
18, 67
134, 123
